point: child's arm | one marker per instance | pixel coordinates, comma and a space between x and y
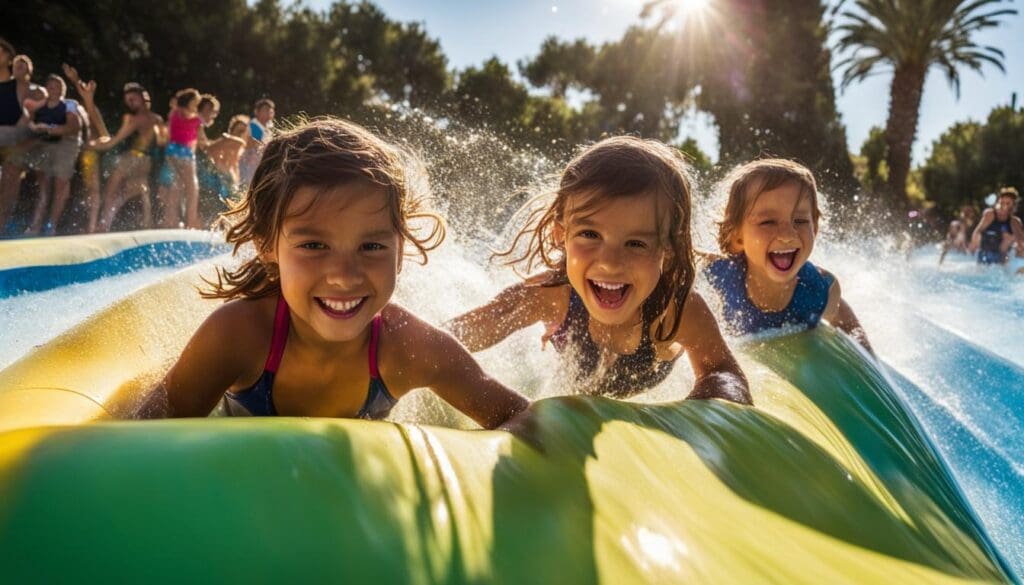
218, 354
718, 375
839, 314
986, 219
515, 308
442, 364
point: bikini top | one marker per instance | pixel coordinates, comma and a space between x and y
629, 374
728, 277
258, 400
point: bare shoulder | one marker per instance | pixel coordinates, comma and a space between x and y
549, 294
409, 349
695, 319
244, 325
827, 274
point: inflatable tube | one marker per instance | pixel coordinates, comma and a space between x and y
828, 479
43, 263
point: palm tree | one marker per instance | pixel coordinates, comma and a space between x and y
909, 37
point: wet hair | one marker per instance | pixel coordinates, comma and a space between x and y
263, 102
59, 80
323, 153
133, 87
747, 182
186, 96
239, 119
1010, 192
614, 168
209, 99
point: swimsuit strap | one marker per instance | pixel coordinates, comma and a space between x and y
374, 336
280, 336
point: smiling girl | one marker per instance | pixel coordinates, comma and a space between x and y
765, 280
616, 296
310, 328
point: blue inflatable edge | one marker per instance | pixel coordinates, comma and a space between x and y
15, 281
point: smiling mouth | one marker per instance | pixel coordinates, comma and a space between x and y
341, 309
783, 260
610, 295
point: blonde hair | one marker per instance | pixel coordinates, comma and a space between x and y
323, 153
749, 181
620, 166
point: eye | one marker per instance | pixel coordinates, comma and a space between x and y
313, 246
637, 244
587, 234
801, 221
767, 222
372, 246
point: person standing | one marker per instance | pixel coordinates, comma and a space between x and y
260, 126
998, 229
12, 134
59, 123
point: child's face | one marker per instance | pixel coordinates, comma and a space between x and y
777, 234
338, 260
614, 255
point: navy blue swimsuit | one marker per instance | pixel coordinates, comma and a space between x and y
728, 277
10, 107
630, 373
992, 239
259, 399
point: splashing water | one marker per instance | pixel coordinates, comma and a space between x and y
950, 336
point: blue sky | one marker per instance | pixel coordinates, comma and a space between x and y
472, 31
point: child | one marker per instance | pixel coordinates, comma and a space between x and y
766, 282
616, 241
180, 166
310, 329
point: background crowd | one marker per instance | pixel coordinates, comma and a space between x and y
153, 171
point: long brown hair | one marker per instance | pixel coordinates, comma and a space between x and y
322, 153
621, 166
747, 182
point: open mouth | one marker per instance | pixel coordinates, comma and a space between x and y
610, 295
341, 308
783, 260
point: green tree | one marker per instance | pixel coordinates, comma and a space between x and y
875, 172
488, 96
910, 37
951, 175
763, 69
560, 65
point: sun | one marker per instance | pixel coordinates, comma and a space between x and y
676, 13
687, 8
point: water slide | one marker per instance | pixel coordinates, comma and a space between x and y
830, 478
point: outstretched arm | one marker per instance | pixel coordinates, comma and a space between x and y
87, 91
717, 372
986, 220
839, 314
128, 125
446, 367
515, 308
